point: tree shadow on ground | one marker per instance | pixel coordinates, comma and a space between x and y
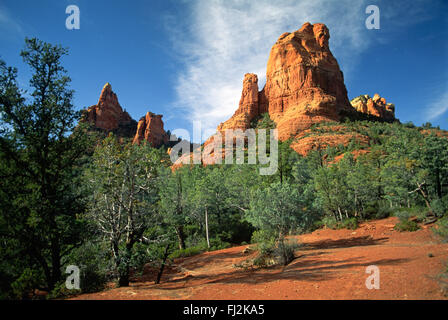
307, 267
344, 243
309, 270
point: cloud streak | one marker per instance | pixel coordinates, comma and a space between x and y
8, 25
437, 108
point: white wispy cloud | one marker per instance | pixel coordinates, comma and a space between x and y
437, 108
9, 26
223, 40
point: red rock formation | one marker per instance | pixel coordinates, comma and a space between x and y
304, 84
248, 107
375, 106
107, 115
150, 129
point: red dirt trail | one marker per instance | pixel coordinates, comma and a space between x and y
330, 264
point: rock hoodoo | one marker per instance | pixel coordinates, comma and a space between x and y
150, 129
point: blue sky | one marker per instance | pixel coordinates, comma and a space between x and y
186, 59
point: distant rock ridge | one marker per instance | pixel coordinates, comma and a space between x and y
108, 116
375, 106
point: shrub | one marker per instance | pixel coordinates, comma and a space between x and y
441, 229
318, 224
351, 223
24, 285
187, 252
274, 253
383, 211
61, 291
332, 223
284, 252
440, 206
406, 225
94, 265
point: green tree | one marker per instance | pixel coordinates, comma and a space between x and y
173, 202
124, 182
278, 210
40, 154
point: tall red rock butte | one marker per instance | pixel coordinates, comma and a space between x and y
304, 85
108, 116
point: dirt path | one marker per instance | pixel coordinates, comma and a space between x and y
331, 264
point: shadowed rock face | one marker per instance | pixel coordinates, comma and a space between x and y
150, 129
107, 115
304, 85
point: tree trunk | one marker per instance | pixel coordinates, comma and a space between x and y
206, 228
180, 237
55, 263
438, 184
340, 213
165, 256
123, 271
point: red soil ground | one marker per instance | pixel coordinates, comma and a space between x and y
330, 264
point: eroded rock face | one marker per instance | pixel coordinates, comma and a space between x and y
150, 129
107, 115
304, 85
375, 106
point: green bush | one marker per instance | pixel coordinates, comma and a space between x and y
187, 252
280, 253
332, 223
406, 225
60, 291
440, 206
441, 229
23, 287
94, 265
383, 211
351, 223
